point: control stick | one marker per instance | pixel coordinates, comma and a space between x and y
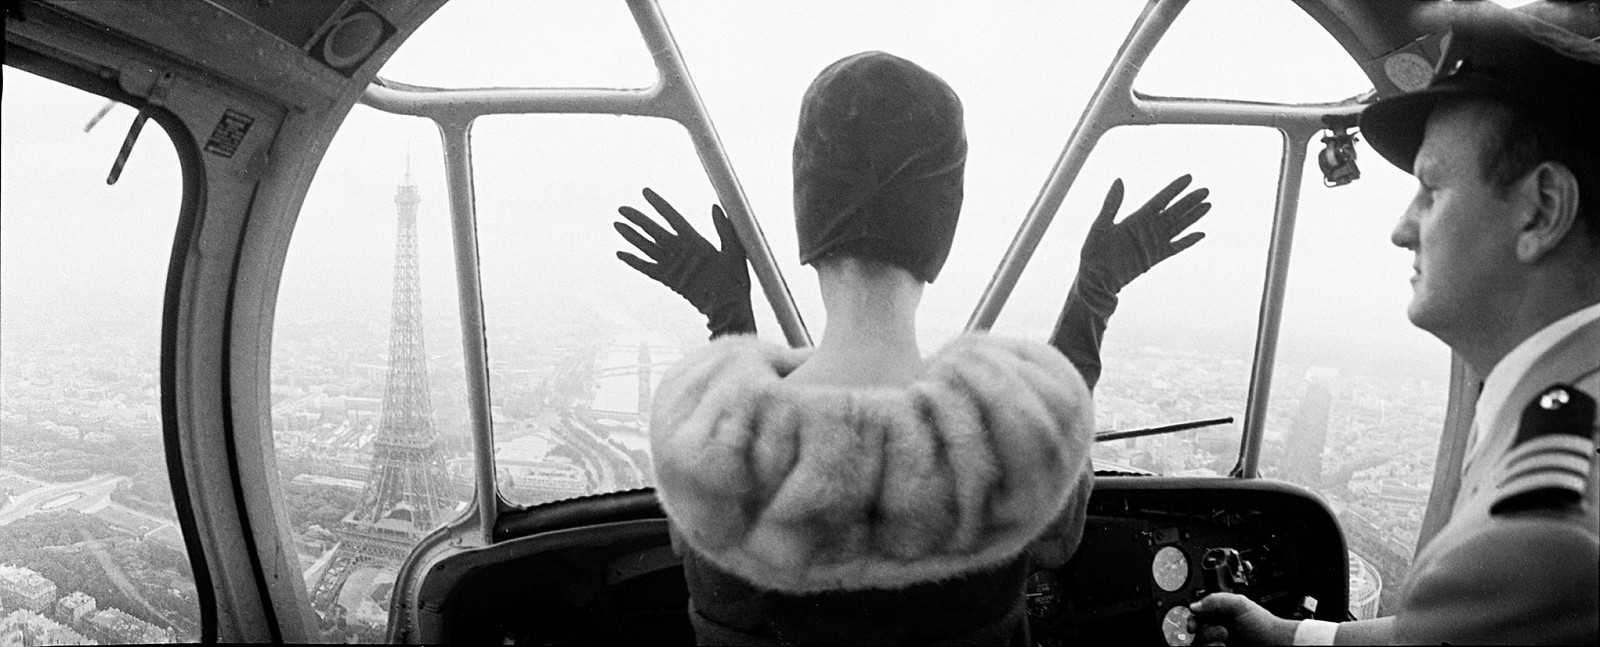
1224, 571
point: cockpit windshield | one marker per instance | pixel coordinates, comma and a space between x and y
576, 340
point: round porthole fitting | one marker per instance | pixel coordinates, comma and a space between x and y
352, 40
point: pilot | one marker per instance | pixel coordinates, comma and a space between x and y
1505, 228
859, 492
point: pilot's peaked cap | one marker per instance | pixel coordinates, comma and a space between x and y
1549, 76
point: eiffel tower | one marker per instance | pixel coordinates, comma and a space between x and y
405, 496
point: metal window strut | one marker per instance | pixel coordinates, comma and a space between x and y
673, 97
1115, 103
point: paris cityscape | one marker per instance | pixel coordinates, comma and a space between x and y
370, 428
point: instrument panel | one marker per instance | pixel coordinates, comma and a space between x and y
1151, 546
601, 569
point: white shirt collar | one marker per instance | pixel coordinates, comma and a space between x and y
1509, 371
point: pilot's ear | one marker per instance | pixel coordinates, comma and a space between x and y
1551, 194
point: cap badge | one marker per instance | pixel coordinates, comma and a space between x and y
1554, 399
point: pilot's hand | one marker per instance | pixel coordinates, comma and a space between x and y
1233, 619
1114, 254
716, 283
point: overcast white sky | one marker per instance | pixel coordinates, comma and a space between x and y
548, 186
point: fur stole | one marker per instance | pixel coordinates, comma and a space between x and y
806, 488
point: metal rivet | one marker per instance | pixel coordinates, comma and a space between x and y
1554, 399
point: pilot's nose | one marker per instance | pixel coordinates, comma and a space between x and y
1405, 231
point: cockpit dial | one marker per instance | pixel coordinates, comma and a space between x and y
1170, 569
1175, 626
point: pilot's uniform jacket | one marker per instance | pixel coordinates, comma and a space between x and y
815, 514
1519, 560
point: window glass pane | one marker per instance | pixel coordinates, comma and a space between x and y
1254, 50
577, 339
1024, 72
369, 399
1359, 394
561, 178
1179, 346
89, 541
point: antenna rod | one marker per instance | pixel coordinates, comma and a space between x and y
99, 115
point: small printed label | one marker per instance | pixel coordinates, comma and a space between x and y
229, 133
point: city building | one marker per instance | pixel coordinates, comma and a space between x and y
325, 482
24, 628
1366, 587
1309, 431
116, 626
547, 480
21, 587
72, 609
1413, 492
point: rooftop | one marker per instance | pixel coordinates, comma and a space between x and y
25, 580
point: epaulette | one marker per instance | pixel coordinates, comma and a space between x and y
1549, 462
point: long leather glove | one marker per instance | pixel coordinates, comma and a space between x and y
717, 283
1113, 255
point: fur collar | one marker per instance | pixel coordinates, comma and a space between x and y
804, 488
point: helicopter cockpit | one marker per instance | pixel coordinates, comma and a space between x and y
431, 428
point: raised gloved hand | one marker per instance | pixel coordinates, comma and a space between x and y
1113, 255
716, 283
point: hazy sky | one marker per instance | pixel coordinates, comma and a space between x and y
548, 186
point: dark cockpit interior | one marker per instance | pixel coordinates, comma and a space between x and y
602, 569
